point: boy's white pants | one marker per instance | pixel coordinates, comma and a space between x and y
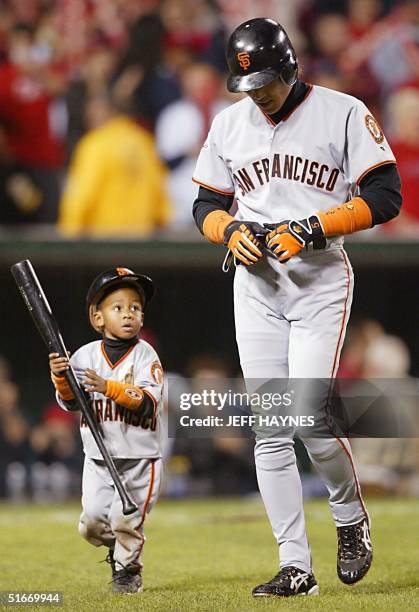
102, 521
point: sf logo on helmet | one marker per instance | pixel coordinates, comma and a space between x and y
124, 271
244, 59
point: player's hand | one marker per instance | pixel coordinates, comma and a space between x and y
58, 365
241, 237
93, 382
288, 238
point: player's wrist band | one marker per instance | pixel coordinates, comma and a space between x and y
124, 394
62, 387
346, 218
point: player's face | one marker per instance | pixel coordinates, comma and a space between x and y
270, 97
120, 314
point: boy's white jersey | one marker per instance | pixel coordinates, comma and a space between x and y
123, 436
310, 161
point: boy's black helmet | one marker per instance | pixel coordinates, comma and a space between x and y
113, 277
258, 52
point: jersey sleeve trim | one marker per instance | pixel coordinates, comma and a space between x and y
227, 193
383, 163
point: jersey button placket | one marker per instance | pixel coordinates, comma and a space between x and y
275, 185
274, 195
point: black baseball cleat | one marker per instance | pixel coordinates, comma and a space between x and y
354, 552
127, 580
288, 582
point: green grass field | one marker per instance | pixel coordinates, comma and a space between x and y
207, 555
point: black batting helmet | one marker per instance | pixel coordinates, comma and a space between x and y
112, 278
258, 52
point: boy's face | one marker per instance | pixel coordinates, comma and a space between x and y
120, 314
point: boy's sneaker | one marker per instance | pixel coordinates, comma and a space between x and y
288, 582
354, 552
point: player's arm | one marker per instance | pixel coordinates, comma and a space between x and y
217, 205
368, 162
136, 397
379, 201
215, 198
124, 394
133, 397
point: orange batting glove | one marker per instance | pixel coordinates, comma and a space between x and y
288, 238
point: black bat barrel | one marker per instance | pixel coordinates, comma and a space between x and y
38, 306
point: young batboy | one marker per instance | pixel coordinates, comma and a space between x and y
123, 377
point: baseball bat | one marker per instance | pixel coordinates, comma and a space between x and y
40, 310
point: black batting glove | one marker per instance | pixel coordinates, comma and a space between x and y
242, 238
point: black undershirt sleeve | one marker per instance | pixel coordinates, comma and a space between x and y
380, 189
208, 201
71, 405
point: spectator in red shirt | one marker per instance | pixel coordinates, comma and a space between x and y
404, 116
362, 15
31, 120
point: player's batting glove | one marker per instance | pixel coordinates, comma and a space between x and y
241, 239
288, 238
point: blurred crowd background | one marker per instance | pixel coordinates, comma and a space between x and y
104, 105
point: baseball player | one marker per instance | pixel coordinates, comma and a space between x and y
123, 377
312, 165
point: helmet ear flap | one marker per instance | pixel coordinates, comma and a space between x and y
289, 74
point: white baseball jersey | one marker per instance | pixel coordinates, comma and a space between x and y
312, 160
123, 436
